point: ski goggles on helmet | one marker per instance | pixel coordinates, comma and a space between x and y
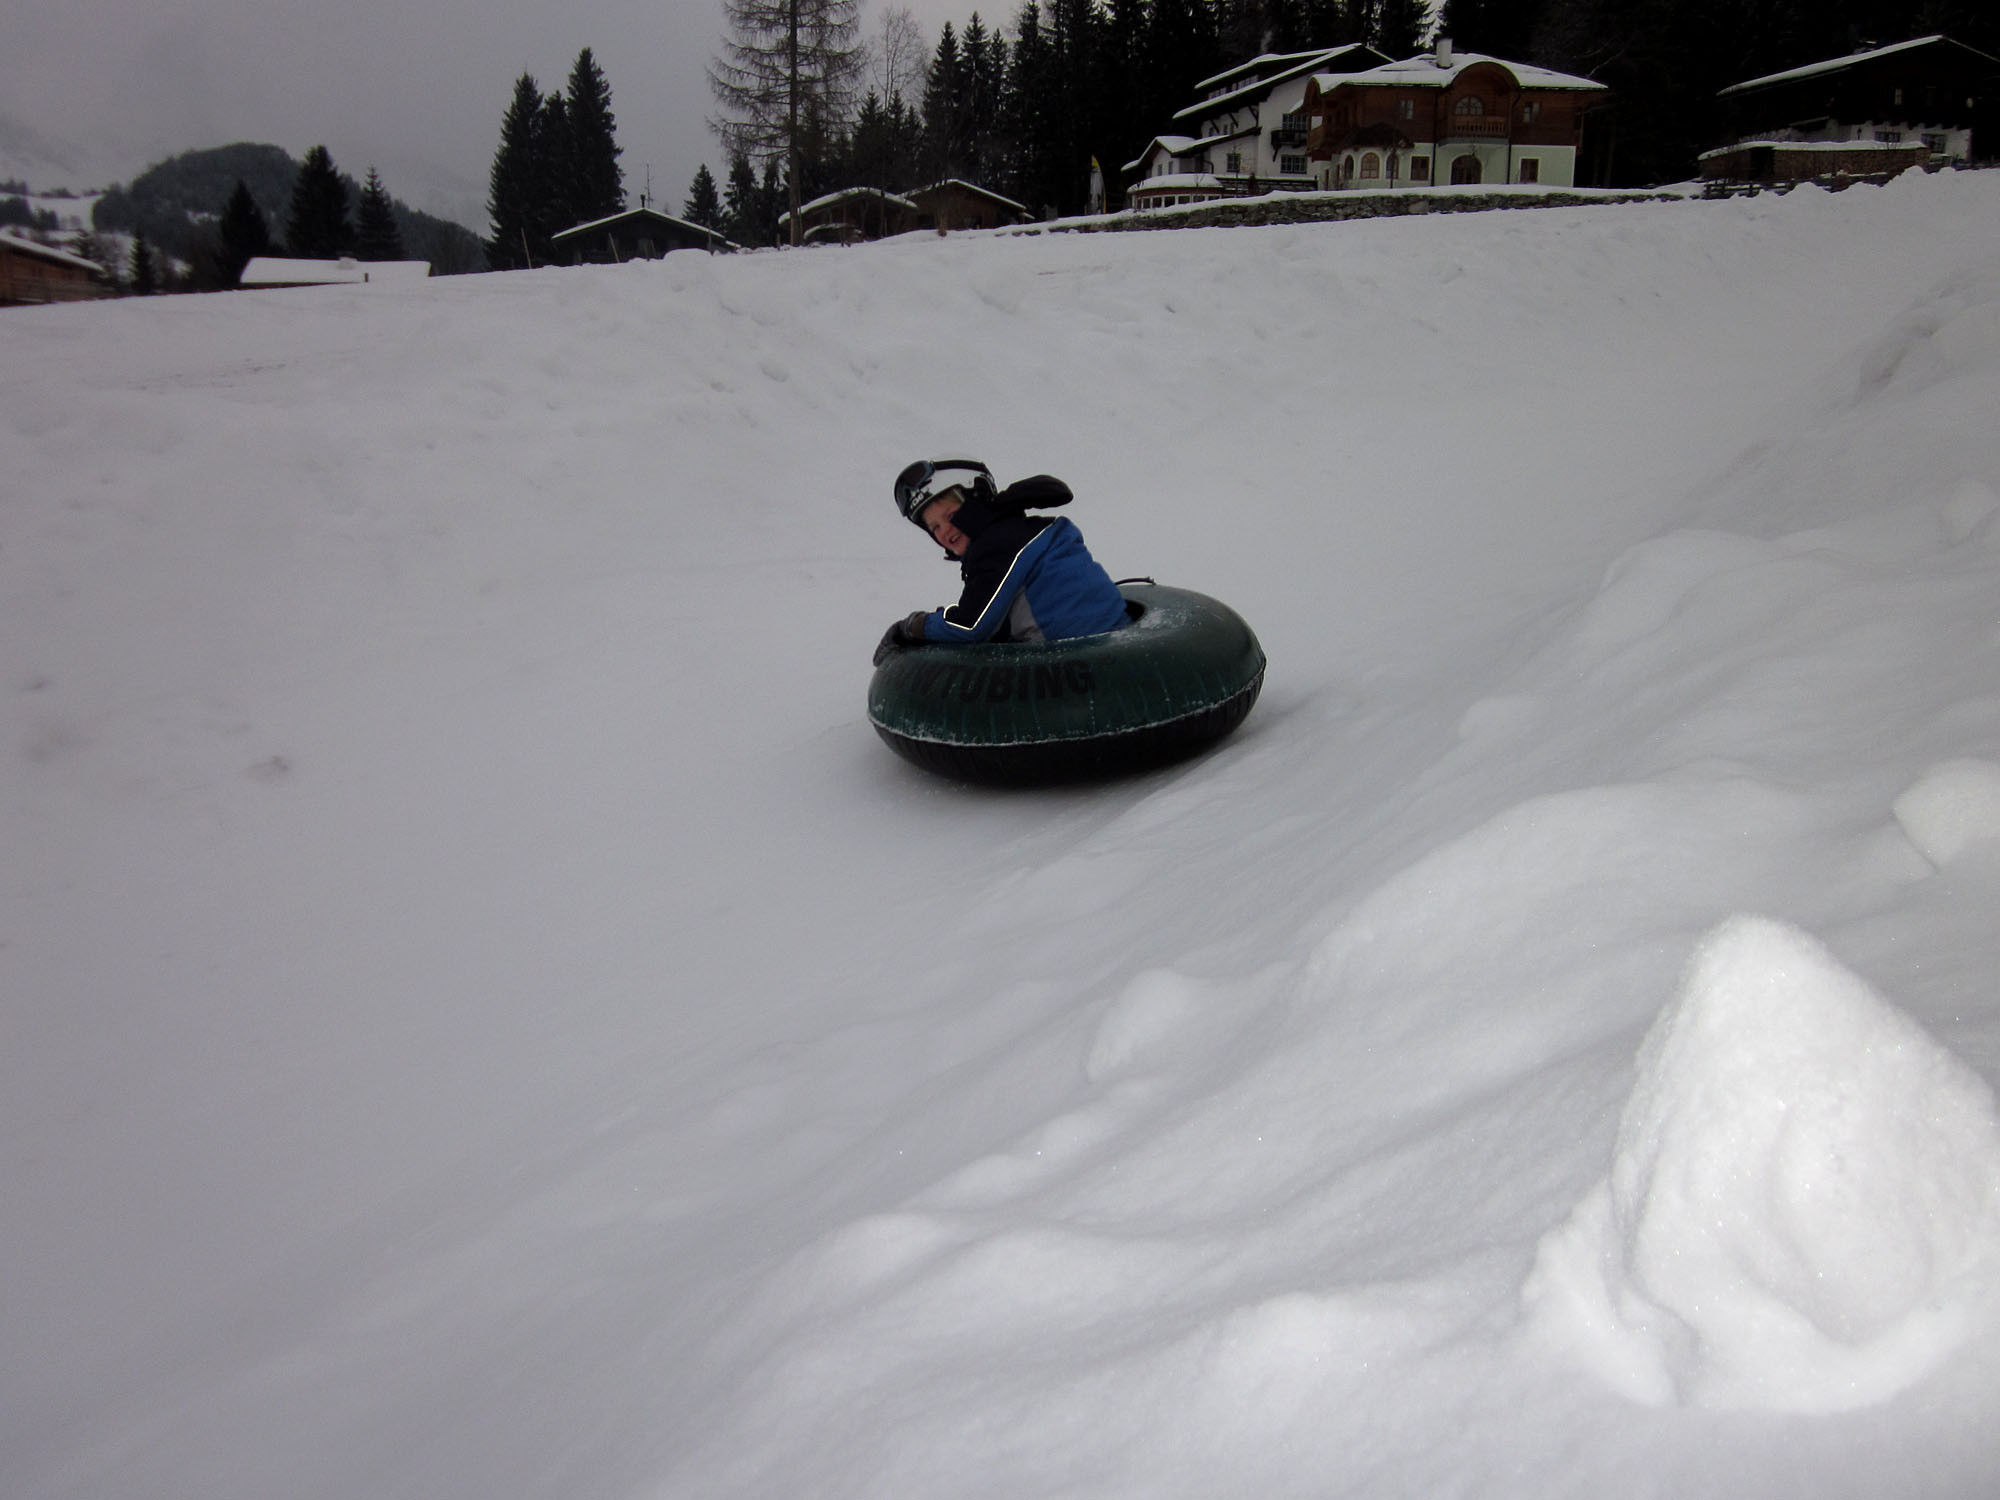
927, 478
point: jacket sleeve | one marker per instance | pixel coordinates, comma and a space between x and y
1036, 492
992, 578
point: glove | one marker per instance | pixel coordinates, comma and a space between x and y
908, 631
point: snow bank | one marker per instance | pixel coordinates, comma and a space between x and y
1953, 807
1803, 1211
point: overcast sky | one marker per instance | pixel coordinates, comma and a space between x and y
95, 89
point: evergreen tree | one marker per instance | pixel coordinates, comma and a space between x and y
983, 65
1499, 28
1399, 27
784, 80
554, 172
870, 159
1024, 108
243, 235
1178, 51
741, 207
944, 109
773, 196
704, 204
1126, 96
596, 188
513, 203
1077, 133
376, 236
145, 270
319, 227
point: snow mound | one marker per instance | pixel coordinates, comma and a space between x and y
1803, 1207
1952, 807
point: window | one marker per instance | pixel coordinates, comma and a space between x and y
1531, 169
1406, 109
1531, 111
1292, 166
1469, 105
1235, 161
1371, 166
1294, 122
1889, 137
1420, 169
1935, 144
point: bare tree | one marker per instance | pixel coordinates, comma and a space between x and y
787, 66
898, 56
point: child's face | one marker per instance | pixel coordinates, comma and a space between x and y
937, 521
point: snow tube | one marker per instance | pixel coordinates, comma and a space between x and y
1180, 676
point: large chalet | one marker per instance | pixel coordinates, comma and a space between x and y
1247, 133
1447, 117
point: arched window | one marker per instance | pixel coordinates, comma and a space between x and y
1371, 167
1347, 170
1465, 170
1471, 104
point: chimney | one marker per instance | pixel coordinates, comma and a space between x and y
1444, 52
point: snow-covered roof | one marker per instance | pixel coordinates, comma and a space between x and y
46, 252
1836, 64
829, 199
1843, 147
278, 270
1425, 71
1179, 182
1266, 61
643, 212
1300, 63
977, 191
1186, 145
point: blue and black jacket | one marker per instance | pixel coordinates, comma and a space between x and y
1027, 578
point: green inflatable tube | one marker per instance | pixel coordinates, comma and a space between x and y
1179, 677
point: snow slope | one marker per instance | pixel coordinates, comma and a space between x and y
484, 1016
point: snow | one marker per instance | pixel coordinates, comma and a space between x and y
1952, 808
485, 1017
1803, 1211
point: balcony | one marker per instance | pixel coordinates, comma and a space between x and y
1288, 140
1479, 127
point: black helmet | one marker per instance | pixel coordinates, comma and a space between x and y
927, 478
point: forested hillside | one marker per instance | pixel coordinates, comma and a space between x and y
177, 205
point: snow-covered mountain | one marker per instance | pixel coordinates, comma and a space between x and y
44, 163
486, 1018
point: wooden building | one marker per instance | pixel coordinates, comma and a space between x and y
956, 204
1780, 163
1879, 110
851, 216
31, 272
641, 233
1448, 117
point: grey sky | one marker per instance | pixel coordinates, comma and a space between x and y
96, 89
